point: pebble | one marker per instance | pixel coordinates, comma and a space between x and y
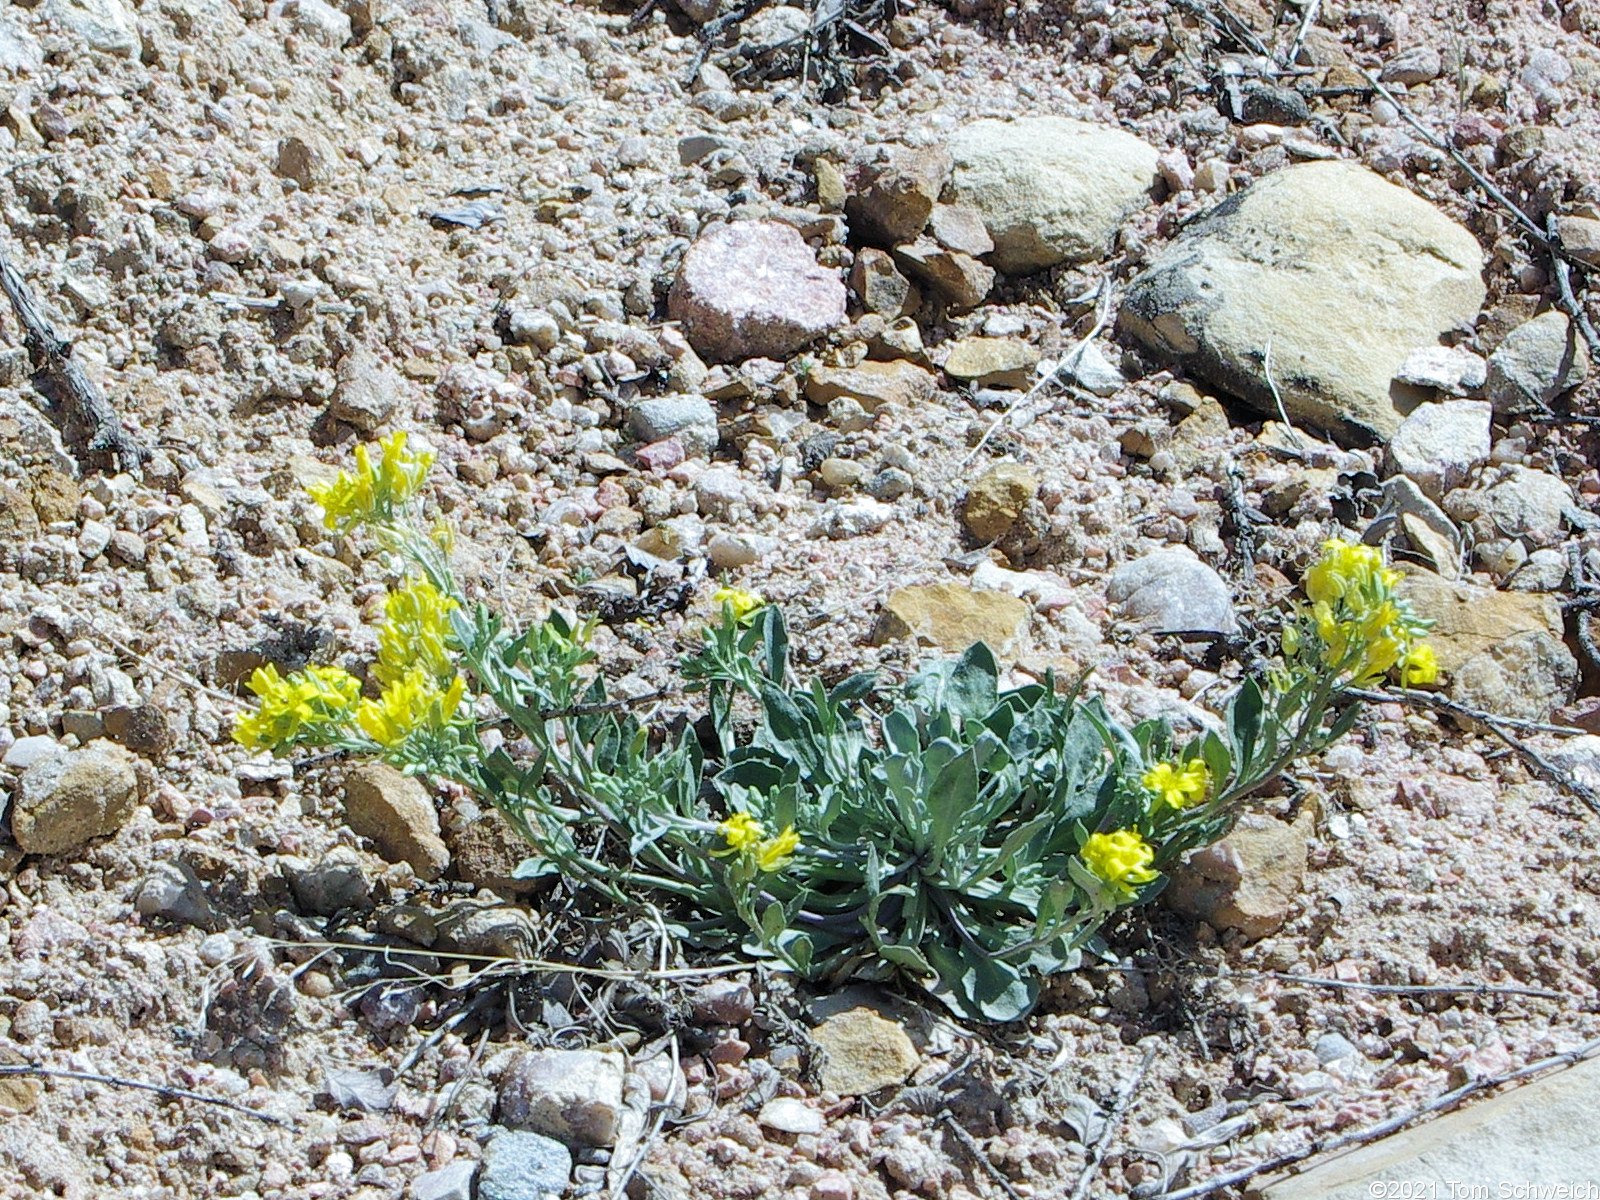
997, 498
64, 800
173, 892
856, 518
726, 551
1172, 591
572, 1095
754, 289
788, 1115
523, 1166
722, 1002
1447, 368
334, 884
102, 24
396, 812
26, 751
690, 421
865, 1052
1536, 362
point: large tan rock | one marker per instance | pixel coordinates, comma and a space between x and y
396, 812
66, 799
872, 384
1248, 881
1050, 189
952, 617
1470, 619
1342, 272
865, 1052
997, 498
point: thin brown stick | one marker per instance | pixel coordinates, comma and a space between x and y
160, 1089
1119, 1110
1383, 1128
1455, 708
970, 1144
83, 408
1422, 989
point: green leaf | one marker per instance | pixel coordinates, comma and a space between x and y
977, 987
775, 644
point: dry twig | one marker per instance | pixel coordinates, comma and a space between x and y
1425, 989
82, 407
160, 1089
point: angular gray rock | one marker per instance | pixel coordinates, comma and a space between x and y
754, 289
450, 1182
1521, 503
1446, 368
102, 24
690, 419
1342, 273
63, 800
1172, 591
892, 201
572, 1095
367, 391
523, 1166
1440, 444
1050, 189
1538, 360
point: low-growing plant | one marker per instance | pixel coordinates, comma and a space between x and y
969, 837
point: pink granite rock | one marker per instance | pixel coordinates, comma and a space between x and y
754, 289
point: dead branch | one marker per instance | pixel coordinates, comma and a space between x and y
84, 412
1113, 1122
160, 1089
1423, 989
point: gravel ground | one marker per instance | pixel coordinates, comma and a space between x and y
232, 220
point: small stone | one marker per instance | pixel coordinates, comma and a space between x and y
1050, 189
842, 472
26, 751
1172, 591
690, 420
1580, 237
55, 496
533, 327
872, 384
32, 1022
880, 286
962, 280
831, 192
865, 1052
1334, 1047
754, 289
1264, 104
486, 851
892, 201
451, 1182
788, 1115
856, 518
102, 24
1094, 372
1538, 361
523, 1166
696, 146
953, 617
996, 499
1212, 175
332, 885
1522, 503
722, 1002
62, 801
93, 540
1525, 677
397, 814
366, 391
727, 551
832, 1185
173, 892
1447, 368
993, 362
307, 159
1420, 64
1440, 444
319, 21
1249, 881
959, 227
489, 930
572, 1095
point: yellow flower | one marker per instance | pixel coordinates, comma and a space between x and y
774, 853
415, 633
1122, 859
1419, 666
310, 707
740, 601
414, 702
1178, 787
374, 492
1363, 627
742, 832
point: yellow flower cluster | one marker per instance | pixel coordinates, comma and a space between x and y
1364, 628
310, 707
415, 701
415, 631
741, 602
1121, 859
1178, 787
376, 491
746, 836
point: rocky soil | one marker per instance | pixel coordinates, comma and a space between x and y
1073, 326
